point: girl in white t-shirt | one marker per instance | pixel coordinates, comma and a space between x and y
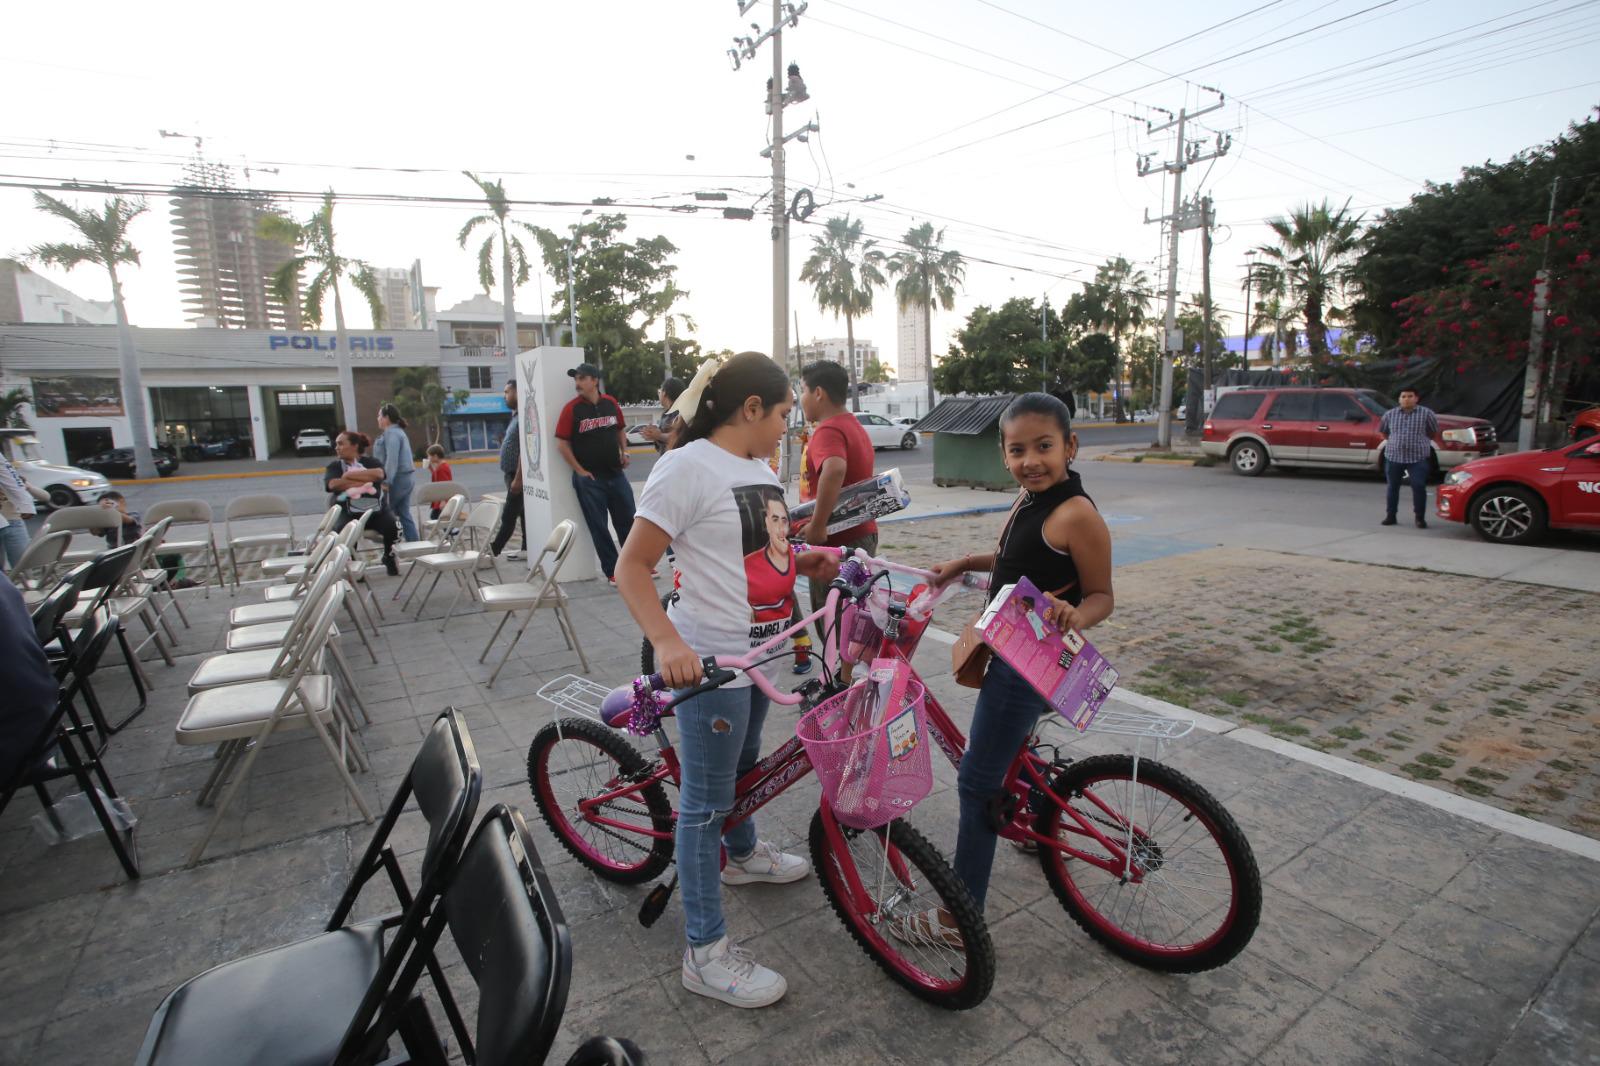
713, 491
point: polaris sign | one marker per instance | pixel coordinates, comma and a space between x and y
360, 344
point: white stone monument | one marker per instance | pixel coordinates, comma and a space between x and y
543, 389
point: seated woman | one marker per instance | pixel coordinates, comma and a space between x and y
354, 476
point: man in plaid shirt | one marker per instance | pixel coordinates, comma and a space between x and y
1409, 429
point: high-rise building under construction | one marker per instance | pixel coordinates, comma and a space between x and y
225, 266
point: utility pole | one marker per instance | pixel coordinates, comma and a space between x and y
1200, 370
1044, 335
779, 93
572, 306
1249, 276
1185, 156
1541, 303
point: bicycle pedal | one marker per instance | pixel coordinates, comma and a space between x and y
655, 902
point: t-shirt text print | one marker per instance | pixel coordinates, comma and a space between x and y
706, 500
596, 423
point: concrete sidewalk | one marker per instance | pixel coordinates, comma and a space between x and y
1392, 931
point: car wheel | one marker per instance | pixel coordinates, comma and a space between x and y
1507, 514
1248, 458
908, 441
61, 496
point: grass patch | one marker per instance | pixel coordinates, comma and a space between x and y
1348, 732
1161, 691
1259, 719
1270, 649
1368, 754
1289, 729
1402, 699
1418, 771
1443, 762
1561, 766
1513, 705
1471, 787
1485, 774
1450, 671
1404, 738
1439, 708
1234, 699
1329, 744
1549, 792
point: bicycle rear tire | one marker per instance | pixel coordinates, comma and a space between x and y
575, 758
1215, 885
953, 978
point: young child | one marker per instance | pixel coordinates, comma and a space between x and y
1057, 540
130, 530
440, 470
712, 490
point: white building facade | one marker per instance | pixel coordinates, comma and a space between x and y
837, 350
29, 297
911, 349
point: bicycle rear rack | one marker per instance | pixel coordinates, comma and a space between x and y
576, 694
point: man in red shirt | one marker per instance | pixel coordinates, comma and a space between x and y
839, 453
591, 435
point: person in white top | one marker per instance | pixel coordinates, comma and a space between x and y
714, 489
16, 507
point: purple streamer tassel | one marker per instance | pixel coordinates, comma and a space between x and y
645, 717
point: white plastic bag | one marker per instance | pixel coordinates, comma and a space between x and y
75, 818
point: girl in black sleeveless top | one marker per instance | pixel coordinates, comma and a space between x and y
1056, 539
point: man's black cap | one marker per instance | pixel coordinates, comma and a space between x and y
584, 370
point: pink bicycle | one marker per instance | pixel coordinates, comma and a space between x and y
607, 805
1142, 857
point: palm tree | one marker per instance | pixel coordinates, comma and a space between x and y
11, 404
927, 272
1316, 249
843, 270
1123, 296
514, 268
105, 244
316, 248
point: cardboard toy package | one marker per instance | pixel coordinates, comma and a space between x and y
1064, 668
880, 495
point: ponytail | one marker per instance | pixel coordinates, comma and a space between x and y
392, 413
741, 377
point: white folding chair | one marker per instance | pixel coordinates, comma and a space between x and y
244, 716
262, 505
434, 492
190, 513
35, 573
93, 520
540, 590
155, 581
279, 565
437, 536
282, 609
469, 554
132, 599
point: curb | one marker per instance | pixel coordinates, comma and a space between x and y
1115, 458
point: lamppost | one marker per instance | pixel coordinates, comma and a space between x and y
1249, 276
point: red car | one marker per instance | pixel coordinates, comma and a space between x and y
1513, 499
1585, 424
1324, 428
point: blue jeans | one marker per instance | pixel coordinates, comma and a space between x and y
15, 539
400, 504
601, 495
1008, 708
719, 738
1418, 472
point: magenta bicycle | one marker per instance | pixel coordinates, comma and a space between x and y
607, 804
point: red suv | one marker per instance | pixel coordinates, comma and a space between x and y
1513, 499
1329, 429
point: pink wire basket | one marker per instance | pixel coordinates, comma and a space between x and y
871, 772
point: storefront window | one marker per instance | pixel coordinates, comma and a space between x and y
201, 415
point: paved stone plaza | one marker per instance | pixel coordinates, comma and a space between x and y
1392, 930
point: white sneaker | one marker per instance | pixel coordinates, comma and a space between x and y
766, 863
514, 553
728, 972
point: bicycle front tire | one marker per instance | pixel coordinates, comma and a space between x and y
1193, 902
956, 978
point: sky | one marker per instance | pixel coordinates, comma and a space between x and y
1014, 125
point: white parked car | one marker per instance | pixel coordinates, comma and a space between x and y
886, 434
67, 486
636, 435
904, 421
313, 440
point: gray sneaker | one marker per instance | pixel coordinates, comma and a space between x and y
728, 972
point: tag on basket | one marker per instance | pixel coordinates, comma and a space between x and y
902, 734
1064, 668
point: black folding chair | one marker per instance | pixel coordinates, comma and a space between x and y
508, 927
63, 749
105, 574
302, 1001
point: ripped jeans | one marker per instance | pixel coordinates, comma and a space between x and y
719, 738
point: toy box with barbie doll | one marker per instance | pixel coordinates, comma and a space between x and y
1064, 668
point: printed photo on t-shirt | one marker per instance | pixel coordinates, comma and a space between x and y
768, 559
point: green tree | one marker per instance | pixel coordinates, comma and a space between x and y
877, 373
927, 272
514, 268
105, 244
316, 248
1315, 251
620, 287
843, 269
999, 350
421, 397
11, 404
1117, 299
